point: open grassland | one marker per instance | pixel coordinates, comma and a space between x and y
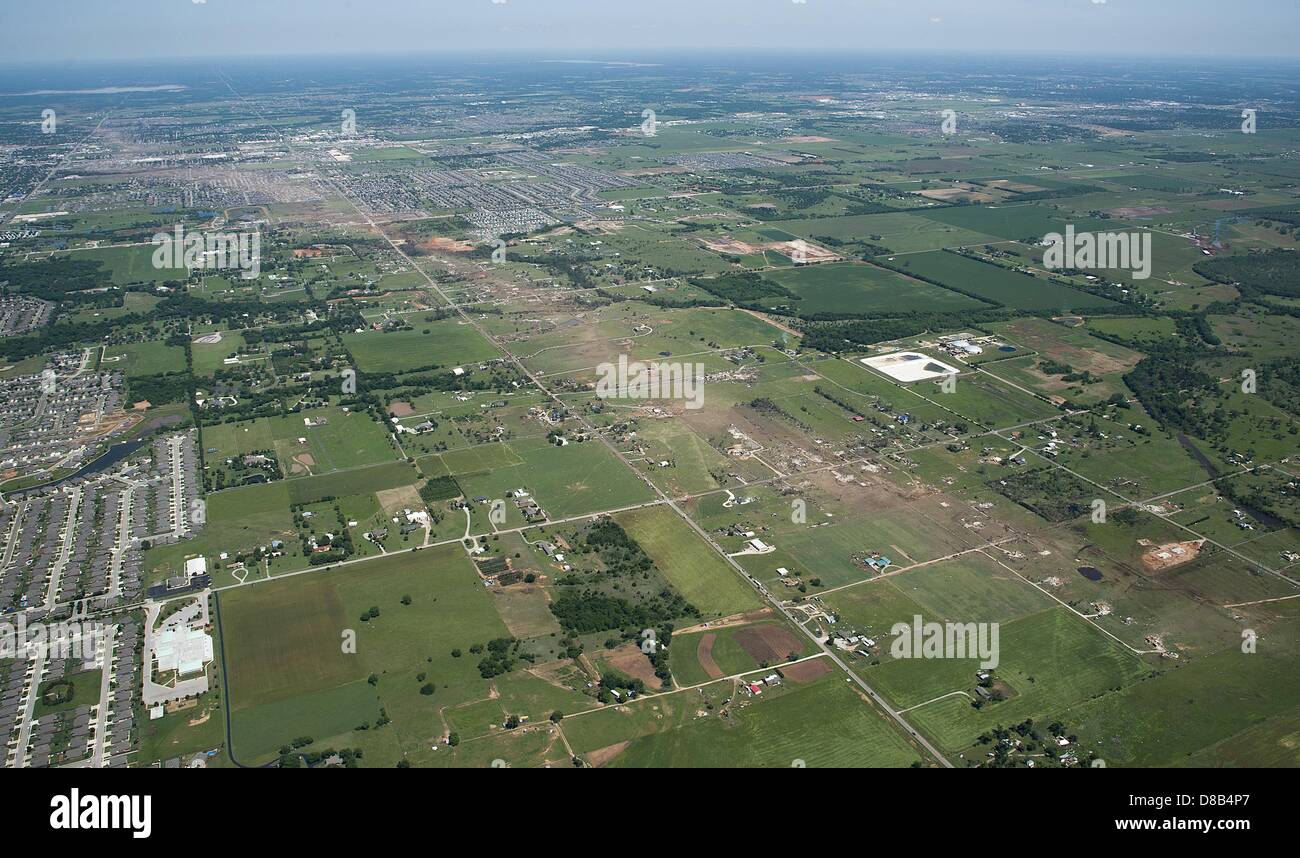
576, 479
822, 724
1051, 660
446, 344
688, 562
289, 676
324, 440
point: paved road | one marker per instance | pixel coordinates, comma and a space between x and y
25, 723
127, 496
70, 527
101, 717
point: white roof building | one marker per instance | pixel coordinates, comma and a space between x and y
182, 649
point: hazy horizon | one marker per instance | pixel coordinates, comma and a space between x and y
146, 30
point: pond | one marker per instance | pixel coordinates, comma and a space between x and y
1092, 573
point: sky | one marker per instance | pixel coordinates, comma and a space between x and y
53, 31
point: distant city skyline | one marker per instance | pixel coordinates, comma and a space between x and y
63, 30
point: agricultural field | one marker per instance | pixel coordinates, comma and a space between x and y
992, 283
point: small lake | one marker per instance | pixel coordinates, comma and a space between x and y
115, 454
1092, 573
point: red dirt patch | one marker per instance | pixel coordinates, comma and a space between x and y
806, 671
446, 245
1170, 554
601, 756
630, 661
704, 654
767, 643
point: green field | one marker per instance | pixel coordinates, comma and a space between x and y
289, 676
854, 288
819, 725
336, 440
688, 562
999, 285
446, 344
1051, 660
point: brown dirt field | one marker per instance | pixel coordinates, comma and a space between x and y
950, 194
1008, 185
1037, 337
447, 245
402, 497
727, 245
1171, 554
811, 253
1105, 130
401, 409
767, 643
808, 138
807, 671
601, 226
629, 660
1005, 690
704, 653
601, 756
524, 609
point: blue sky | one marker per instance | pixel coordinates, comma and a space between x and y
57, 30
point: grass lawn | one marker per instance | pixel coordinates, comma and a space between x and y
1051, 660
289, 676
824, 723
576, 479
336, 441
447, 343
